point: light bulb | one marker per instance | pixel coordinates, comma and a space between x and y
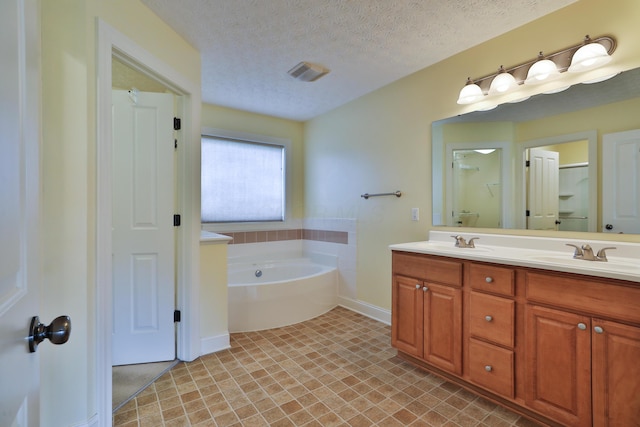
470, 93
542, 71
591, 55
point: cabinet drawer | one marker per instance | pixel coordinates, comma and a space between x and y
499, 280
491, 318
429, 268
491, 367
602, 297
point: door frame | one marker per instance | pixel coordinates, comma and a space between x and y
111, 42
506, 211
521, 172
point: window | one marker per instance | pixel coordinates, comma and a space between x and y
242, 181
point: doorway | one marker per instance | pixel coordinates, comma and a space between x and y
143, 194
113, 43
575, 189
477, 185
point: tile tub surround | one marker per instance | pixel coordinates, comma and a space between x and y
331, 236
336, 370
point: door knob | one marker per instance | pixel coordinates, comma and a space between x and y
57, 332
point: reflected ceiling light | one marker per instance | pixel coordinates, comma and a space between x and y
591, 55
502, 83
542, 71
584, 56
485, 150
470, 93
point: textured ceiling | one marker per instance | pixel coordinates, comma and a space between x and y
247, 46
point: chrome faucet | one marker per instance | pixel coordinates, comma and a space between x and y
461, 243
586, 253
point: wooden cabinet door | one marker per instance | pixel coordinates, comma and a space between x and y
616, 374
558, 365
406, 315
443, 327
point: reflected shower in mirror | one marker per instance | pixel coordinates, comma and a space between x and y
516, 191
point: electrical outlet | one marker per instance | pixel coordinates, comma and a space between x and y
415, 214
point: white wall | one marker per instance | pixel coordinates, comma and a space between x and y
382, 141
69, 170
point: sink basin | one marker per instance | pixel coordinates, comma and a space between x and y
611, 264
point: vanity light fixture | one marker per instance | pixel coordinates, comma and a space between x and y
591, 55
588, 55
542, 71
503, 82
470, 93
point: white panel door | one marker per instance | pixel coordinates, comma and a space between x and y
543, 189
621, 182
143, 232
19, 211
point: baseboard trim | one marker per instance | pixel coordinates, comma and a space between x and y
214, 344
366, 309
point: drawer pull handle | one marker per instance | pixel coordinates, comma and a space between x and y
488, 279
488, 318
425, 289
582, 326
598, 329
488, 368
418, 286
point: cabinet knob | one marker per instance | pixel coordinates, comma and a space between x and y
488, 318
582, 326
488, 368
488, 279
425, 289
418, 286
598, 329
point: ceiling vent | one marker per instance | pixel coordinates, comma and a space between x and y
307, 72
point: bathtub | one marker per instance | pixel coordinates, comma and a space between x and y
272, 294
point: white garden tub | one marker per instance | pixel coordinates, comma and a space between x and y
272, 294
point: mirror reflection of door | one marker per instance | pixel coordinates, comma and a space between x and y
558, 187
621, 182
542, 200
477, 188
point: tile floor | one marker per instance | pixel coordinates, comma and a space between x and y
335, 370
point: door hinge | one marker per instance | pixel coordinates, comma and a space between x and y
176, 220
527, 213
176, 315
527, 163
177, 123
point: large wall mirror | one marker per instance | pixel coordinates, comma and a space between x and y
566, 161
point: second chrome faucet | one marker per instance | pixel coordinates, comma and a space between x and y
461, 243
585, 252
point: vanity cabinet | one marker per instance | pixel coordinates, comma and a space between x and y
427, 310
490, 359
582, 360
558, 347
558, 365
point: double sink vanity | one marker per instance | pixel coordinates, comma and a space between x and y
547, 327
